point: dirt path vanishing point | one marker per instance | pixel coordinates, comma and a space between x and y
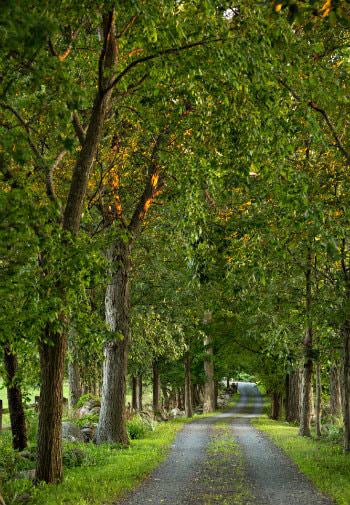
224, 460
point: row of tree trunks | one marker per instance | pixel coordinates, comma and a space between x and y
318, 406
346, 385
306, 401
156, 388
15, 403
209, 386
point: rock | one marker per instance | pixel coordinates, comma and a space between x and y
176, 413
95, 410
83, 411
26, 455
71, 432
26, 474
88, 433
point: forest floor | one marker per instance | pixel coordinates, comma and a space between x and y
225, 460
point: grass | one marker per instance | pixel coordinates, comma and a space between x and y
322, 461
223, 472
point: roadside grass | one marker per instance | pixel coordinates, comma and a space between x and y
322, 461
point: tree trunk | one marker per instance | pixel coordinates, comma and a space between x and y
14, 396
52, 355
318, 400
139, 392
74, 380
134, 393
155, 387
335, 391
306, 400
53, 350
294, 396
275, 405
346, 385
188, 386
111, 426
209, 387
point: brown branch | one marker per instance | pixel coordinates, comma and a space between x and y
152, 188
78, 127
327, 119
127, 27
330, 125
49, 177
162, 52
25, 125
108, 20
66, 53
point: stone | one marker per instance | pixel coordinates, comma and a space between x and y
71, 432
88, 433
26, 474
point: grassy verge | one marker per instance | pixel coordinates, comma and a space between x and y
105, 474
322, 461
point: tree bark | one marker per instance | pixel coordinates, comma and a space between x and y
52, 356
209, 387
318, 400
14, 396
335, 391
188, 386
155, 387
275, 405
111, 426
306, 399
294, 396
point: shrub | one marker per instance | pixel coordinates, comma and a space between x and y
138, 427
73, 456
85, 398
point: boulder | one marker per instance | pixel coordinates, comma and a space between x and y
88, 433
71, 432
176, 413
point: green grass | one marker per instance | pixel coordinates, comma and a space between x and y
322, 461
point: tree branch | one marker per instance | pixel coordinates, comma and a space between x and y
127, 27
170, 50
327, 119
49, 177
330, 125
66, 53
78, 127
152, 188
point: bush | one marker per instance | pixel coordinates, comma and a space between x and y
138, 427
74, 456
87, 420
85, 398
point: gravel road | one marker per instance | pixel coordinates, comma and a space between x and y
258, 474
